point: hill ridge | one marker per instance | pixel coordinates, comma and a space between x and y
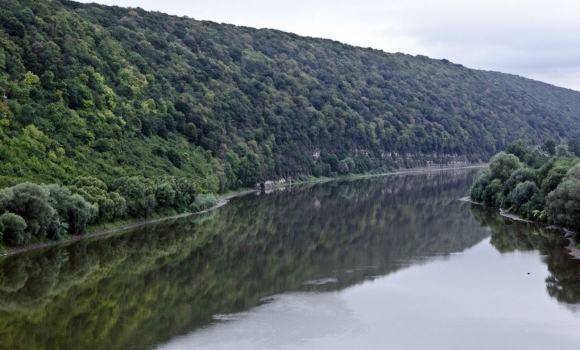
112, 92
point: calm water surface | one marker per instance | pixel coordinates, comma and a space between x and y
389, 262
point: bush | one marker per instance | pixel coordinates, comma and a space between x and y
563, 204
520, 195
111, 205
478, 188
203, 202
492, 194
80, 213
519, 176
139, 194
165, 194
502, 165
32, 203
175, 192
15, 233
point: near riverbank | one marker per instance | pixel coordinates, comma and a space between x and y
123, 225
568, 234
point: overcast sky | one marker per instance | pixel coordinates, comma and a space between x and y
538, 39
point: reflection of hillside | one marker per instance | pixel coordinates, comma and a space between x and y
146, 286
508, 235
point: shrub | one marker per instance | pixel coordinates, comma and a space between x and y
520, 195
15, 233
203, 202
478, 188
502, 165
139, 194
73, 210
32, 203
110, 205
519, 176
563, 204
80, 213
492, 194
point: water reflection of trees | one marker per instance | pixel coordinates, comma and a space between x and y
144, 287
508, 235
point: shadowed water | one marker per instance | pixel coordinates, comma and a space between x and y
392, 261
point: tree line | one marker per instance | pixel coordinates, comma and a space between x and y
540, 183
36, 213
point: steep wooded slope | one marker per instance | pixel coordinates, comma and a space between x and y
112, 92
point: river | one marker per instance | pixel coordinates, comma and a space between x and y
385, 262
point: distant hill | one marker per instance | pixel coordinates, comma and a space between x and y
113, 92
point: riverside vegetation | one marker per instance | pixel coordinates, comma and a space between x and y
176, 275
109, 112
173, 277
540, 183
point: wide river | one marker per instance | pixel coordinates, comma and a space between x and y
393, 262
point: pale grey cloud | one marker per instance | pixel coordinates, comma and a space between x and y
533, 38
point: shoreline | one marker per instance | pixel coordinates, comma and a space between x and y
223, 201
573, 251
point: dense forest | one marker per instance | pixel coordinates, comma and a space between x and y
540, 183
126, 112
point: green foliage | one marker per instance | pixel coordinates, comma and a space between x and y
346, 166
14, 233
549, 192
139, 194
31, 202
111, 206
518, 148
139, 111
549, 147
109, 92
493, 195
563, 204
502, 165
80, 213
520, 196
517, 177
74, 211
574, 147
203, 202
552, 173
47, 212
478, 191
175, 192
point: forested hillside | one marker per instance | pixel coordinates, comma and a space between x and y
112, 92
